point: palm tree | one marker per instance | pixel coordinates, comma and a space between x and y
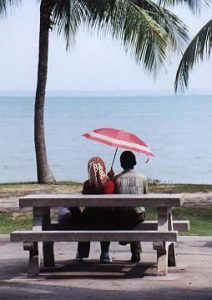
198, 49
147, 30
44, 173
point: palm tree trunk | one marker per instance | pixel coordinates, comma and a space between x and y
44, 173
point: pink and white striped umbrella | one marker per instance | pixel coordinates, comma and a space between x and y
120, 139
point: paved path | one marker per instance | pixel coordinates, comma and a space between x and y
191, 279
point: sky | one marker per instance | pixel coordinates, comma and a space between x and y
92, 64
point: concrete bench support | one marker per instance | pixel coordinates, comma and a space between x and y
32, 238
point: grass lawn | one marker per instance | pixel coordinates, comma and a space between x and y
9, 222
200, 218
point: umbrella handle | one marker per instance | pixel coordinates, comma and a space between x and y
114, 157
147, 160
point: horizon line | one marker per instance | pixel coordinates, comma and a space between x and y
107, 93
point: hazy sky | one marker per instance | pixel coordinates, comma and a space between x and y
93, 64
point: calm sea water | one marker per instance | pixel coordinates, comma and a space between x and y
177, 129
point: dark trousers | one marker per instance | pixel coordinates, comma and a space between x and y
83, 248
94, 218
132, 223
101, 218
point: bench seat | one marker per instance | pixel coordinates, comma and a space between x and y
92, 235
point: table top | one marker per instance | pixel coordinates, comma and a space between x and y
109, 200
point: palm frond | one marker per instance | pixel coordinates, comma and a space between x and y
67, 16
146, 30
6, 4
176, 30
194, 5
199, 48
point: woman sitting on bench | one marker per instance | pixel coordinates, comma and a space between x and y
95, 218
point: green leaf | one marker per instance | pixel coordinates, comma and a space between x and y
199, 48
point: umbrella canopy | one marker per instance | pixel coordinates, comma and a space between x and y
119, 139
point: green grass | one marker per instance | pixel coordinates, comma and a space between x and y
200, 220
9, 223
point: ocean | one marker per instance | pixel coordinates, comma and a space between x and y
178, 129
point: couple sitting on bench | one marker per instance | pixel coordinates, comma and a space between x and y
96, 218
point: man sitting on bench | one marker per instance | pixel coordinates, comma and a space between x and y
130, 182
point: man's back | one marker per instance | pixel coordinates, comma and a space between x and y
130, 182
